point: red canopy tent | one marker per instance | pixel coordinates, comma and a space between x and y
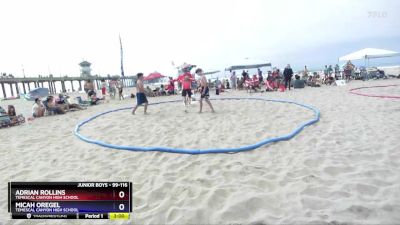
153, 76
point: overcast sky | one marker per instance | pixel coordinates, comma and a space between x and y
51, 35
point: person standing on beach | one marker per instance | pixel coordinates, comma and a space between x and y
171, 86
88, 87
260, 76
244, 75
337, 71
275, 78
204, 90
305, 73
187, 90
326, 73
348, 70
288, 73
103, 87
112, 88
330, 70
140, 96
120, 87
217, 86
233, 79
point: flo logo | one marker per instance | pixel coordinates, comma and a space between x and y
377, 14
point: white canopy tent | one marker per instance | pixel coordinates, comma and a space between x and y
369, 53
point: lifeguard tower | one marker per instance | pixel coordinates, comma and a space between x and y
85, 69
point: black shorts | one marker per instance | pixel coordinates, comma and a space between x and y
141, 98
205, 93
187, 92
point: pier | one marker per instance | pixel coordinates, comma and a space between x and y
28, 83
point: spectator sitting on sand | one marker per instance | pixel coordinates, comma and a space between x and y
275, 78
63, 102
330, 80
13, 116
269, 82
94, 100
171, 86
269, 85
297, 82
156, 92
149, 92
38, 108
162, 91
51, 107
314, 81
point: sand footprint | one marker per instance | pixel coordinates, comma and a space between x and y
334, 170
315, 203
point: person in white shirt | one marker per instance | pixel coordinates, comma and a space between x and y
38, 108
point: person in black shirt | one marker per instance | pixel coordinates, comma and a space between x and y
260, 77
287, 74
244, 75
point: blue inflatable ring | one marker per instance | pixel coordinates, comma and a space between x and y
202, 151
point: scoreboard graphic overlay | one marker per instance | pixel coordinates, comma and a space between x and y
70, 200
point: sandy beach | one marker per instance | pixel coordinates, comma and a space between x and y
342, 170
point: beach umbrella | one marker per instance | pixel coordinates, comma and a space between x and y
37, 93
155, 75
